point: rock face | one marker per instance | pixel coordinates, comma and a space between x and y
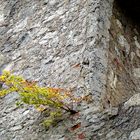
82, 45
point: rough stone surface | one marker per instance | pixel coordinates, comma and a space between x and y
133, 101
82, 45
135, 135
59, 44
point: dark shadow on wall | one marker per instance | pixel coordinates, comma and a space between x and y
131, 9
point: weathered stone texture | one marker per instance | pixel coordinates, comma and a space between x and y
76, 45
60, 44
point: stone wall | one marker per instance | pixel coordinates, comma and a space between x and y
59, 44
76, 45
122, 95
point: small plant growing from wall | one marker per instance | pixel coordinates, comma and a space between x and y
54, 101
